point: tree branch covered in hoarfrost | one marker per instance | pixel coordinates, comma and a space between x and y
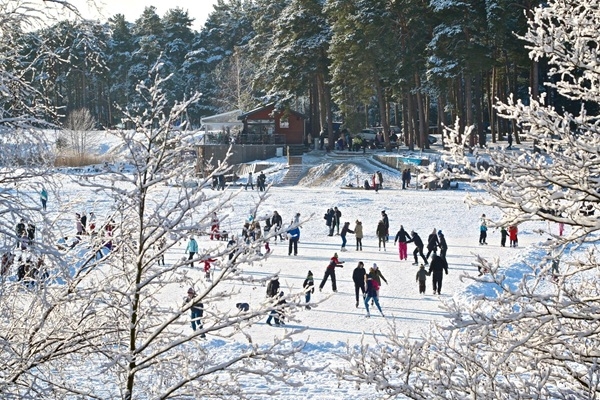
537, 337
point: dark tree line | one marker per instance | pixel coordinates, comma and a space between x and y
409, 63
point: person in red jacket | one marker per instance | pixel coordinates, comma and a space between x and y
330, 272
512, 235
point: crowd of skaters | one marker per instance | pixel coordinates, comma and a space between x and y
430, 257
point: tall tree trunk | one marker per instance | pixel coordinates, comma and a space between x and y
410, 111
514, 91
440, 117
478, 110
469, 106
535, 80
490, 100
421, 112
383, 114
315, 120
323, 111
408, 142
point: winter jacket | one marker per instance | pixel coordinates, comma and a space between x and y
442, 240
402, 236
358, 276
381, 229
438, 266
273, 288
329, 217
512, 231
432, 242
334, 262
358, 231
346, 229
276, 220
372, 286
377, 276
422, 274
416, 239
337, 215
309, 284
386, 221
294, 233
192, 246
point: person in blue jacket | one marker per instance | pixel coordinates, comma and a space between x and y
294, 237
192, 249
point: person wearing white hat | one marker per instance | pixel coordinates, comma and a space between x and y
376, 274
372, 288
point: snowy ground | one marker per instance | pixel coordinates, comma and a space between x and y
336, 321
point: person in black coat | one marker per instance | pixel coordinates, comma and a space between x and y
443, 245
416, 239
432, 244
402, 238
277, 222
337, 216
329, 215
386, 221
436, 269
358, 276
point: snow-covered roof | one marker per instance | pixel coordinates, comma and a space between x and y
224, 120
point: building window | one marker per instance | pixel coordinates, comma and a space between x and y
284, 123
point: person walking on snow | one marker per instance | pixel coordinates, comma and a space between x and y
192, 249
483, 230
273, 287
44, 198
372, 288
432, 244
443, 245
380, 177
376, 183
277, 313
261, 180
503, 236
345, 230
337, 216
330, 272
197, 310
277, 222
512, 234
294, 237
358, 276
405, 178
309, 288
386, 222
214, 227
329, 216
437, 268
416, 239
422, 279
250, 181
375, 272
402, 238
381, 234
358, 232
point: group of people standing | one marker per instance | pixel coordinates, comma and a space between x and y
511, 233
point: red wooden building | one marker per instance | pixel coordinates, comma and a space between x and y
269, 126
